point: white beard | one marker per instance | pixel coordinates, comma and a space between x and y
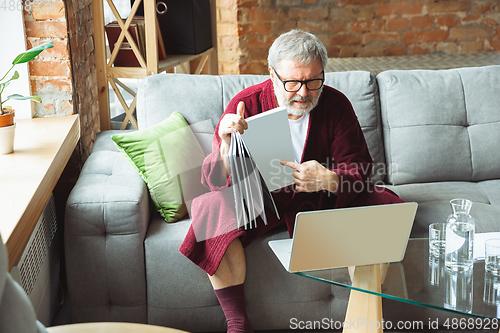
292, 109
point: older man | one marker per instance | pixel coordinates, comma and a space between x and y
330, 157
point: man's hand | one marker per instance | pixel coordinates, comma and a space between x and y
231, 123
311, 176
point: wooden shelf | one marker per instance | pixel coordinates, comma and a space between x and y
42, 149
178, 59
126, 72
163, 65
109, 75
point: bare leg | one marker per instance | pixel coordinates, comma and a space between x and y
232, 268
228, 285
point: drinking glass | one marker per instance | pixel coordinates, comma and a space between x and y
491, 294
492, 256
437, 233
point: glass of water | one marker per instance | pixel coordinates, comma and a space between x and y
437, 239
492, 256
491, 294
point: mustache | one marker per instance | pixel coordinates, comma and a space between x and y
300, 99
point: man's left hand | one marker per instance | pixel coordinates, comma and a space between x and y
311, 176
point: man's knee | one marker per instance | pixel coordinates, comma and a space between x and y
224, 200
213, 215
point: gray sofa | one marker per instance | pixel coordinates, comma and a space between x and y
432, 134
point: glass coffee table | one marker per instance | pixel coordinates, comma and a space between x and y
419, 279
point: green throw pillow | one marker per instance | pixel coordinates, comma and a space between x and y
168, 157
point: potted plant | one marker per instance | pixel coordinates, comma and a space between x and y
7, 125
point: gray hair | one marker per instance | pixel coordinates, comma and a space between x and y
297, 45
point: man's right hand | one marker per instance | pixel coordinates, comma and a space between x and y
231, 123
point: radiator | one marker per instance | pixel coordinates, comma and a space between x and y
37, 270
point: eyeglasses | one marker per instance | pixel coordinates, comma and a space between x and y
295, 85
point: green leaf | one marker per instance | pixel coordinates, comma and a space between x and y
15, 76
31, 53
5, 84
20, 98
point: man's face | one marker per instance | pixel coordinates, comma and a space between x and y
302, 101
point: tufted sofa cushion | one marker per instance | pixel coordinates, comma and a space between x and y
441, 125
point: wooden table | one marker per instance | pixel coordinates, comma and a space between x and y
111, 328
362, 304
28, 176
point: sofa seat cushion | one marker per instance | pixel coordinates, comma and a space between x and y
434, 203
269, 289
441, 125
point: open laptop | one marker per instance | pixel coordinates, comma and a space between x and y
347, 237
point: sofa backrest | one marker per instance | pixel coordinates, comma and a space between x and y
204, 97
362, 91
441, 125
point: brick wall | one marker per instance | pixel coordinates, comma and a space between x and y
228, 40
355, 28
50, 72
64, 76
81, 37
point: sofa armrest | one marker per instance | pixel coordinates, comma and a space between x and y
107, 216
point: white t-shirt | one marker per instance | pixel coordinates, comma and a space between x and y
298, 130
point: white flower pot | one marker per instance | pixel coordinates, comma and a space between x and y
7, 135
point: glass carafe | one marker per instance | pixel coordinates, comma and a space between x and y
461, 206
460, 227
